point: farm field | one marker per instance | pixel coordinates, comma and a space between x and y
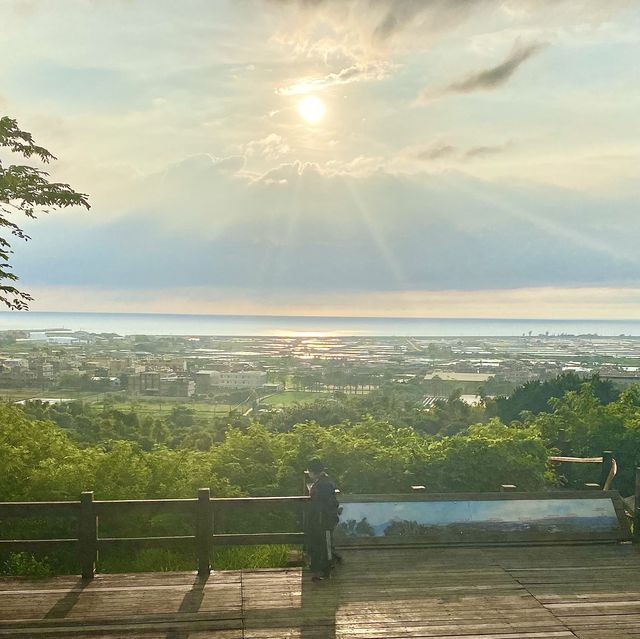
288, 398
164, 407
18, 394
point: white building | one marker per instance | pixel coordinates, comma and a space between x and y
226, 379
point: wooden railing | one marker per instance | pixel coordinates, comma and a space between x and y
608, 467
203, 511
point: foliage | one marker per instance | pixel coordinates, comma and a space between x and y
25, 190
25, 565
487, 456
51, 453
535, 397
582, 425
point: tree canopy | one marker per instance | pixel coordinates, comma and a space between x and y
25, 190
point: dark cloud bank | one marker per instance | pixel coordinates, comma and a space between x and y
301, 230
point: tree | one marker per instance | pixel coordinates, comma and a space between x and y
25, 190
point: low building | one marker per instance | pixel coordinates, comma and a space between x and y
145, 383
175, 386
206, 380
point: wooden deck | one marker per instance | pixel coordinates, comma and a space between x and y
589, 592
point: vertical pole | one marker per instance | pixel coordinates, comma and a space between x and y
607, 457
204, 531
87, 535
636, 510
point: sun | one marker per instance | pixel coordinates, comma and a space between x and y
311, 108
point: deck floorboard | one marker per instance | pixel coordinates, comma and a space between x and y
583, 592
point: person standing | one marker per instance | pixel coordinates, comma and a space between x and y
322, 519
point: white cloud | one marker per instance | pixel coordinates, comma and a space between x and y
271, 147
355, 73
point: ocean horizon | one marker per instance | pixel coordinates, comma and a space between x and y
284, 325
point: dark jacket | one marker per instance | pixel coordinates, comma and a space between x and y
323, 511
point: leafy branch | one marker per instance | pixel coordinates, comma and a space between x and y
25, 190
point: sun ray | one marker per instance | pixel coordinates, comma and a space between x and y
378, 238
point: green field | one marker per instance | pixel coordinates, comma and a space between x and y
288, 398
17, 394
164, 408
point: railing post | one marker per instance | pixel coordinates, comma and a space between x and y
204, 531
87, 535
607, 457
636, 510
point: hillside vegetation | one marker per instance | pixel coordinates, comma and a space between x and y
378, 443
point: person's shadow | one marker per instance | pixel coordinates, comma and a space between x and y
190, 604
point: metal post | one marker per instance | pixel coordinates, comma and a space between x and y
87, 535
204, 531
607, 457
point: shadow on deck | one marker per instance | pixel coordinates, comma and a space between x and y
491, 593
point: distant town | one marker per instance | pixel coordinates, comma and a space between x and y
259, 373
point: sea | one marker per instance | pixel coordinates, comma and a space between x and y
300, 326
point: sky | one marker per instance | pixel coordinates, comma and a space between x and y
455, 158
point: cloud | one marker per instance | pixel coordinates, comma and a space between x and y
271, 147
436, 152
355, 73
486, 150
447, 151
435, 15
488, 78
304, 227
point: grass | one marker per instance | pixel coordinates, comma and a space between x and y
17, 394
226, 558
243, 557
164, 408
288, 398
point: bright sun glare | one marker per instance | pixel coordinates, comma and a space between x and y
311, 108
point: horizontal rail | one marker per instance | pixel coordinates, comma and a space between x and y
578, 460
35, 545
200, 512
217, 540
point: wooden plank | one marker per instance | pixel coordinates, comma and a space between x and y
403, 593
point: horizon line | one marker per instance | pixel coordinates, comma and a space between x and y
355, 317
